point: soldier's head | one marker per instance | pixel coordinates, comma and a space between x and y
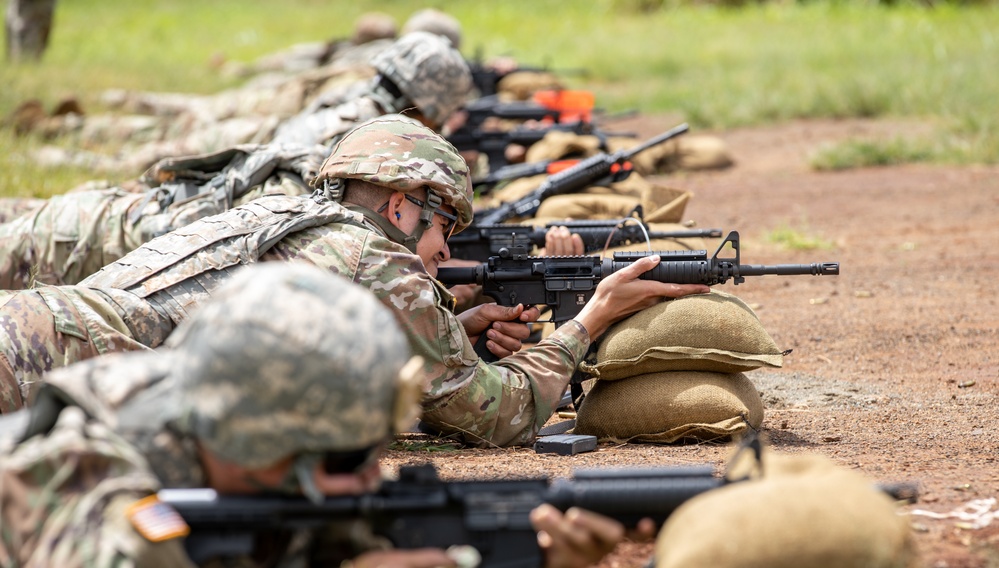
406, 178
436, 22
423, 75
292, 370
371, 26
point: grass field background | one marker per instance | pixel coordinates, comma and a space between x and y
720, 67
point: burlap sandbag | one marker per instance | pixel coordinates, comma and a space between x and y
673, 243
559, 144
514, 190
804, 511
587, 206
687, 152
704, 332
660, 204
520, 85
670, 406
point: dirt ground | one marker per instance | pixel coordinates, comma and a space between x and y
895, 368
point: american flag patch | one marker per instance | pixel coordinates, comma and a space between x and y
156, 520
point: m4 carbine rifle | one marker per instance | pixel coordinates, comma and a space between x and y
601, 168
566, 283
419, 510
483, 185
480, 242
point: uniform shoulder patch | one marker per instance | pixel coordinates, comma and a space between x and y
156, 520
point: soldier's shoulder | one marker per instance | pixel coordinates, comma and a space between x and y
102, 385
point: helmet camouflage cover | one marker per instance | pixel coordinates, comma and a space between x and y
289, 359
371, 26
395, 152
434, 21
428, 71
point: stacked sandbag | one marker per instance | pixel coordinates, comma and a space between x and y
521, 85
660, 203
676, 371
690, 152
803, 511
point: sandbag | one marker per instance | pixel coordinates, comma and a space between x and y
587, 206
520, 85
670, 406
686, 243
687, 152
804, 511
559, 144
704, 332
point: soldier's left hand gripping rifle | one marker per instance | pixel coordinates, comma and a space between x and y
419, 510
599, 169
566, 283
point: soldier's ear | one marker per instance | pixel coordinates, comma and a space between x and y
394, 204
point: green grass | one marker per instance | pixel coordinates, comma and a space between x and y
797, 239
863, 153
719, 66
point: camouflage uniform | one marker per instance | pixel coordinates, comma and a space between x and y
502, 404
192, 124
108, 432
65, 495
13, 207
75, 234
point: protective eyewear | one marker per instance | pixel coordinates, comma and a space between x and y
452, 219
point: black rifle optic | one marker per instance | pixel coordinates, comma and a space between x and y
599, 169
479, 242
419, 510
566, 283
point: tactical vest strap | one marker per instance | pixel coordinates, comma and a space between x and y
238, 236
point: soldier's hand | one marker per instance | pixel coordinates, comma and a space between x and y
415, 558
575, 539
560, 242
505, 327
623, 293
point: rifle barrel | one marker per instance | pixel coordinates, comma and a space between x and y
815, 268
656, 140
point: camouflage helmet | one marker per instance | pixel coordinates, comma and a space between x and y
428, 71
289, 359
371, 26
436, 22
395, 152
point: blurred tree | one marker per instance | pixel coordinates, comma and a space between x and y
28, 23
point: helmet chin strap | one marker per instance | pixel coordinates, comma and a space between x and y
387, 95
432, 203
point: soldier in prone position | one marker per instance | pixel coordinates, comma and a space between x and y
242, 400
390, 195
73, 235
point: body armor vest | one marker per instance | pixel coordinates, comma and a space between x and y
180, 269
